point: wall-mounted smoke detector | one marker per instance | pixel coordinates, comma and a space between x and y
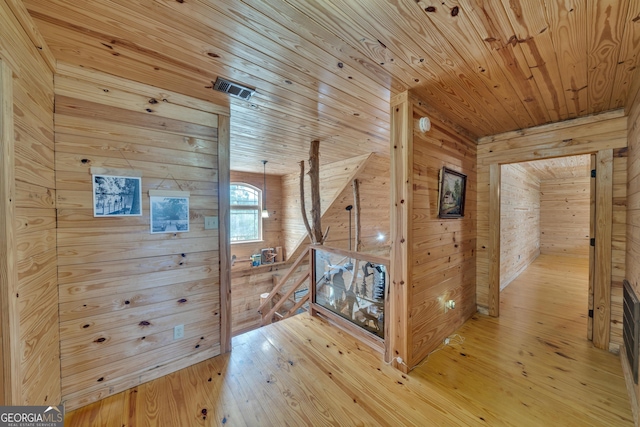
233, 89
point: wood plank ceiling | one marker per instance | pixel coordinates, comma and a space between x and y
327, 69
560, 168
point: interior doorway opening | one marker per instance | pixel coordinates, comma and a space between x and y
546, 214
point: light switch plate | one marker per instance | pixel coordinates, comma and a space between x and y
178, 332
210, 222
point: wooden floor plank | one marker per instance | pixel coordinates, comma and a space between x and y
532, 366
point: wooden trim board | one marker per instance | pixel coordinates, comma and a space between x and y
494, 240
602, 273
401, 201
224, 182
9, 319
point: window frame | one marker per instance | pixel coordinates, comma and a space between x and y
257, 207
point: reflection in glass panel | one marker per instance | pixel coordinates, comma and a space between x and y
358, 298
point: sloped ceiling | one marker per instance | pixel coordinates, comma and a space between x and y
327, 69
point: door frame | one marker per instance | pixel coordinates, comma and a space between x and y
10, 378
602, 224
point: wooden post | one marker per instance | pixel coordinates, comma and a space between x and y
356, 208
302, 203
494, 240
9, 316
224, 183
401, 224
314, 174
264, 300
602, 279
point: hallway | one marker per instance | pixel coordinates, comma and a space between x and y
530, 367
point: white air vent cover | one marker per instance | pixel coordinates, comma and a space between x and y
233, 89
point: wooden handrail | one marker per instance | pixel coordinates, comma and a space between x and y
351, 254
286, 277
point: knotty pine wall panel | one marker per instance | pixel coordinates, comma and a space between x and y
37, 372
122, 290
519, 221
564, 216
443, 250
632, 250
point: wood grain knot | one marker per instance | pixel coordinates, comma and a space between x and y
430, 9
182, 300
144, 323
101, 339
455, 11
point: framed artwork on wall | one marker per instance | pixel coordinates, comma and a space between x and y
452, 194
117, 195
169, 214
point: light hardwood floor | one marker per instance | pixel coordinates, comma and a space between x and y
530, 367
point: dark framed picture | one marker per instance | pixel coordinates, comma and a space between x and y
452, 192
169, 214
117, 195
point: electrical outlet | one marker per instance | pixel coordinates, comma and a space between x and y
178, 332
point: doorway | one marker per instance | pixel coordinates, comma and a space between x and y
600, 266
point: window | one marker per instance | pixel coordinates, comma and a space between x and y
246, 208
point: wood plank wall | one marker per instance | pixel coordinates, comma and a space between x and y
632, 250
35, 378
443, 250
373, 177
272, 234
519, 221
334, 178
564, 216
579, 136
122, 289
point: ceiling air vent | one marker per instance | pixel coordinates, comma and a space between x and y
233, 89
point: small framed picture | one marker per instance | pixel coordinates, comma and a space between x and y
117, 195
452, 193
169, 214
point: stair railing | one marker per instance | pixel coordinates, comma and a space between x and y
269, 308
